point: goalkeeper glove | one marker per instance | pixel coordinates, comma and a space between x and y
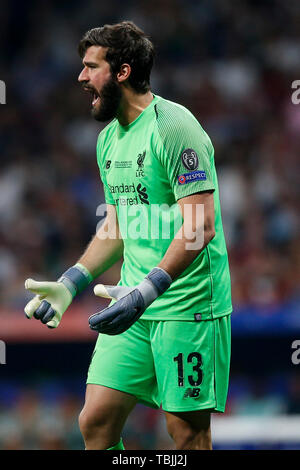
131, 302
53, 298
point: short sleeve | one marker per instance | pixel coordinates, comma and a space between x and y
185, 150
107, 194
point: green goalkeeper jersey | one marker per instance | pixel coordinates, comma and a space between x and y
161, 157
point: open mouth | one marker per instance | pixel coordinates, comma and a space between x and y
95, 96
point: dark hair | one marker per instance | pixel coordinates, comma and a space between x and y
126, 43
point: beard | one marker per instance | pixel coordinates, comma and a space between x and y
110, 98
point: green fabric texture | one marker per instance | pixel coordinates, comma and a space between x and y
146, 167
181, 366
119, 446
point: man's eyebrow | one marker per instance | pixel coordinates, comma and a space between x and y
89, 64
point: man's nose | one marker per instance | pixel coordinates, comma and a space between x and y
83, 77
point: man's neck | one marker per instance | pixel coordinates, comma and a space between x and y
132, 105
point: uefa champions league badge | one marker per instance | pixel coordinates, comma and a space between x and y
190, 159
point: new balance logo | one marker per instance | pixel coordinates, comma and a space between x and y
191, 392
142, 192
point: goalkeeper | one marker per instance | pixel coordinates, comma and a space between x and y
165, 338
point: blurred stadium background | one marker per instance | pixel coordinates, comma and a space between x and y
232, 64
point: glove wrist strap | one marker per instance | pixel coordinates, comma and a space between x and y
76, 279
160, 279
154, 284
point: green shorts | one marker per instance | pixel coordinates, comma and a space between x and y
176, 365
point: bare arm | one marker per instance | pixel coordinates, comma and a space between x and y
106, 247
194, 234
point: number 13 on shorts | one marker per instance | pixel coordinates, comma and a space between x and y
196, 378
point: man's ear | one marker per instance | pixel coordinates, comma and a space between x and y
125, 71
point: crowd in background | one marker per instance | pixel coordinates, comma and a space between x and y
232, 64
